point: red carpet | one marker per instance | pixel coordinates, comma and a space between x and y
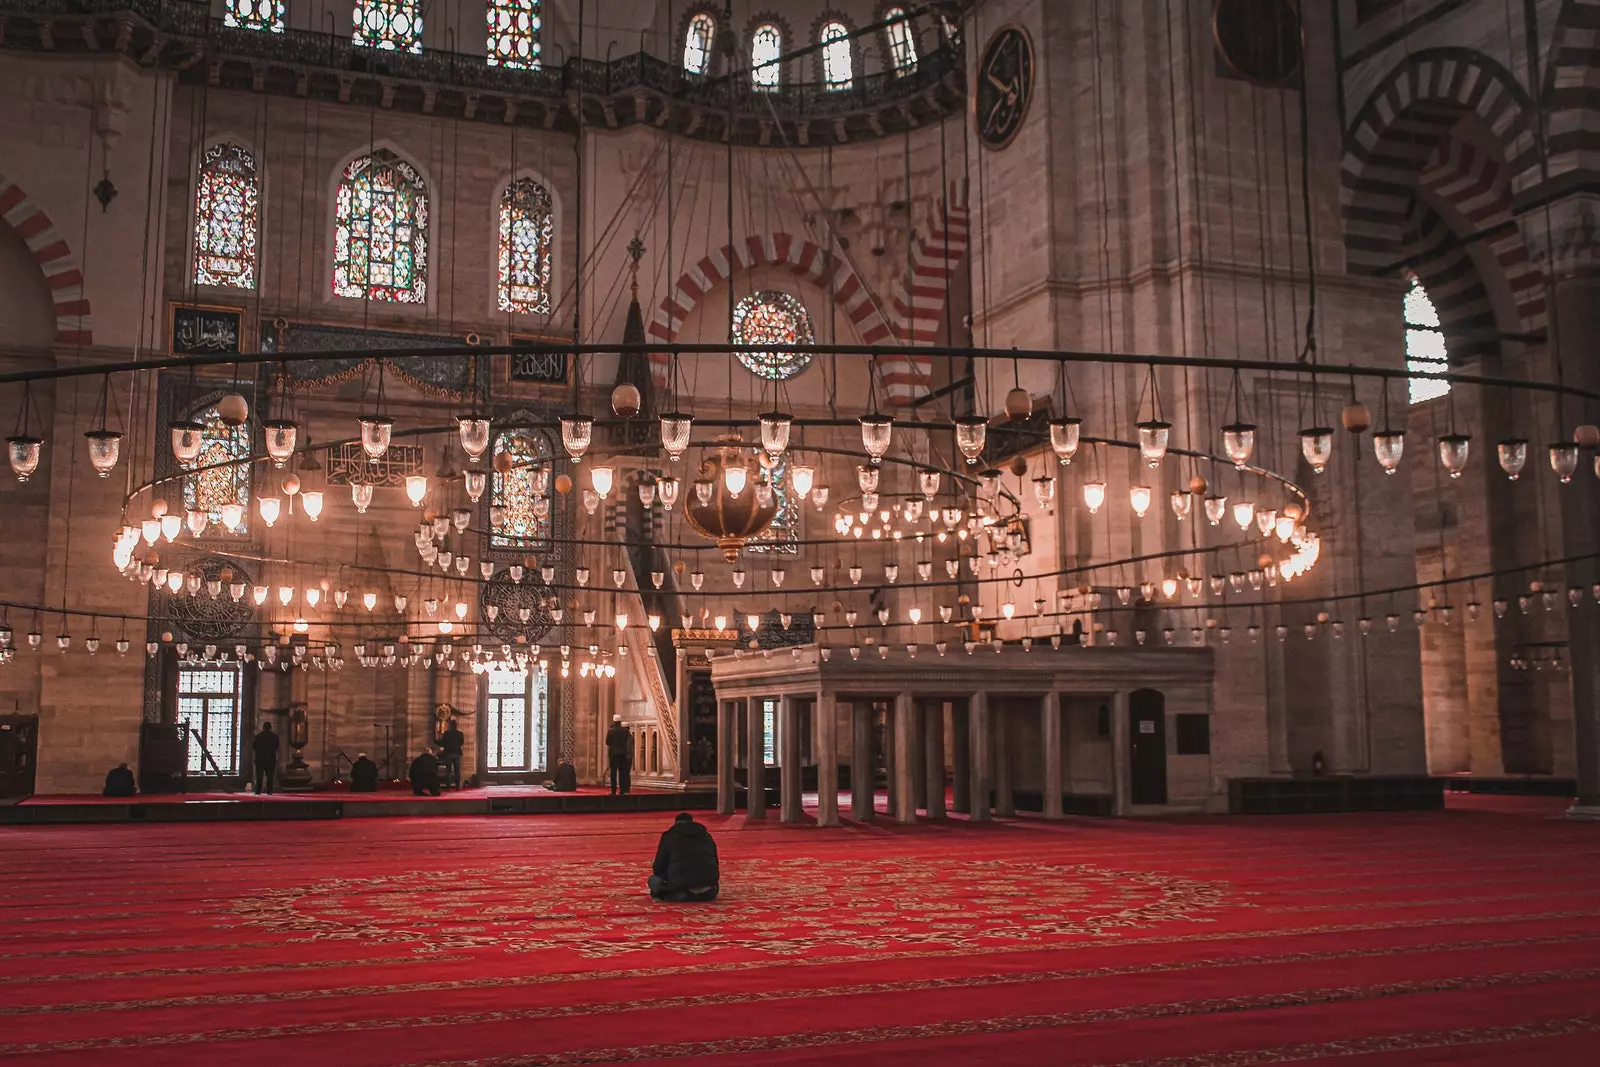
386, 791
1462, 937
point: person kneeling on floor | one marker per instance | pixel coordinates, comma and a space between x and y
363, 775
425, 774
686, 863
119, 781
566, 779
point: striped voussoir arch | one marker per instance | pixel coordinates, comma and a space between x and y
57, 262
1573, 139
1447, 272
1398, 130
917, 300
800, 255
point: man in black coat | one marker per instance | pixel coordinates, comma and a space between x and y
619, 752
265, 748
566, 779
425, 774
363, 775
119, 781
452, 741
685, 869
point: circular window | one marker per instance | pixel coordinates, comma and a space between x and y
771, 317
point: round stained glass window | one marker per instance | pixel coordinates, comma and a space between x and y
771, 317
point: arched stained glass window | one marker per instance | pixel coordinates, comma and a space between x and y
902, 42
380, 238
836, 59
254, 15
392, 25
211, 486
514, 33
766, 45
527, 229
1425, 347
697, 43
772, 317
519, 512
227, 206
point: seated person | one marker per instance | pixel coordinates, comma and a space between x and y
686, 863
119, 781
363, 775
425, 774
566, 779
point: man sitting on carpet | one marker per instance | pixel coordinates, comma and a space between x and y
363, 775
119, 781
566, 779
425, 774
685, 870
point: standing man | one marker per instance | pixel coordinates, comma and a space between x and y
452, 743
619, 742
265, 747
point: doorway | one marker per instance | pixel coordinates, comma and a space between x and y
19, 753
1147, 746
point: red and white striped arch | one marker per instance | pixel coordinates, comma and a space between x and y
918, 300
56, 260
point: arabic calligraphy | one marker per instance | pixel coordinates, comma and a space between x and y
204, 330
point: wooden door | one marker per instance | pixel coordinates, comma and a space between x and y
1147, 746
19, 752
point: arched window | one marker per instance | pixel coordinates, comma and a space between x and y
380, 237
1425, 348
254, 15
227, 205
697, 43
772, 317
395, 25
766, 45
527, 226
514, 33
519, 512
211, 487
902, 41
836, 60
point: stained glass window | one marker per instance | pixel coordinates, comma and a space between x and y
697, 43
836, 60
514, 33
254, 15
519, 515
769, 317
1425, 347
902, 42
393, 25
527, 225
780, 537
208, 704
380, 237
765, 48
218, 479
227, 206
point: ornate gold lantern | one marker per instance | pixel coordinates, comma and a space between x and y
723, 507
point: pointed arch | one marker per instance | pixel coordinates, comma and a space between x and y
57, 262
381, 193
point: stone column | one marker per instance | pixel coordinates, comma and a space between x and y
888, 759
960, 759
826, 718
1050, 739
919, 772
933, 758
902, 782
727, 753
790, 808
981, 763
756, 759
1005, 801
861, 762
1120, 770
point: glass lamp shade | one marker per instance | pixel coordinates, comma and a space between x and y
475, 482
105, 446
735, 476
1564, 460
232, 515
802, 478
971, 433
1513, 452
928, 482
876, 433
1094, 496
1389, 446
1266, 521
1239, 442
647, 494
270, 508
591, 501
675, 430
1044, 490
667, 490
577, 431
1182, 503
416, 488
867, 479
24, 452
775, 432
602, 478
474, 435
1139, 499
1316, 444
1216, 507
1153, 437
819, 496
704, 491
376, 432
281, 435
196, 522
187, 436
1244, 513
1284, 528
361, 497
1065, 436
311, 501
1453, 451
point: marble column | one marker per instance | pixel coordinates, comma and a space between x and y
919, 771
1005, 801
826, 718
756, 759
789, 809
889, 759
903, 783
861, 802
979, 748
1120, 769
960, 759
933, 758
1050, 741
727, 746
